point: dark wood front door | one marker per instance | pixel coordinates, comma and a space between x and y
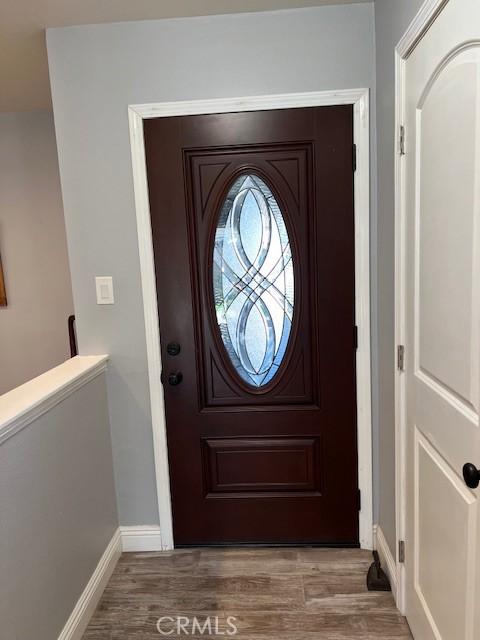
253, 231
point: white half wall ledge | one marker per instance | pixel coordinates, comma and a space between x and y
24, 404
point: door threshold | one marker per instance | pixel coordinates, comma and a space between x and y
270, 545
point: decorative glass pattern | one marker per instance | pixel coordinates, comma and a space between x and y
253, 280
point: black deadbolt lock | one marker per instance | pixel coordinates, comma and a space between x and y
175, 379
173, 348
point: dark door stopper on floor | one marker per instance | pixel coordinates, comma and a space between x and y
377, 579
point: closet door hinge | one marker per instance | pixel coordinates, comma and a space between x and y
401, 140
401, 551
401, 357
354, 157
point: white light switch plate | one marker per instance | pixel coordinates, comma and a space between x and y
104, 287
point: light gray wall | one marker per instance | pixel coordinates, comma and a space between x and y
96, 72
33, 328
392, 18
58, 513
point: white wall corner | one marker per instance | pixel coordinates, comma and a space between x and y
144, 538
90, 597
386, 558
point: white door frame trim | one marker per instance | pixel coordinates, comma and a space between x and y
136, 114
427, 14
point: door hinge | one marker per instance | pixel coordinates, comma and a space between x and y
359, 499
354, 157
401, 357
401, 551
401, 140
355, 337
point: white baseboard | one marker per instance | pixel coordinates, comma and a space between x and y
386, 558
145, 538
88, 601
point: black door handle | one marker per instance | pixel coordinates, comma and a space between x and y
175, 378
471, 475
173, 348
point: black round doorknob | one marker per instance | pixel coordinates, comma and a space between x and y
471, 475
175, 378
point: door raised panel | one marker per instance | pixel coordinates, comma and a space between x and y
280, 175
442, 543
447, 229
271, 466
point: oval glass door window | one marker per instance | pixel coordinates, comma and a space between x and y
253, 280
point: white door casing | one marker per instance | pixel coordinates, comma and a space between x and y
442, 325
359, 98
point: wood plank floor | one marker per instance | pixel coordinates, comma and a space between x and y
273, 594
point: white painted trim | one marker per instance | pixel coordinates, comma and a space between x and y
251, 103
426, 15
362, 318
88, 601
400, 330
26, 403
428, 12
386, 558
142, 538
150, 311
136, 114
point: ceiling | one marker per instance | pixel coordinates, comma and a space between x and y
23, 57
